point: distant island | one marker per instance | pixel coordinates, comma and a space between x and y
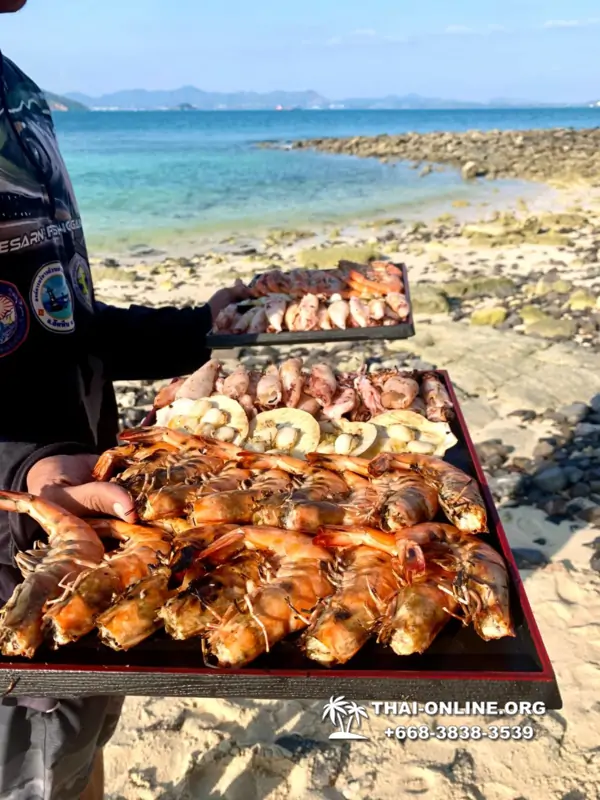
189, 98
59, 103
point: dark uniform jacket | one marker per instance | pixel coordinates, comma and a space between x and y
60, 349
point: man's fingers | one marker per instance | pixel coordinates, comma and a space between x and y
94, 499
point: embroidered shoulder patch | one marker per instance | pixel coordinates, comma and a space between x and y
51, 299
14, 318
81, 280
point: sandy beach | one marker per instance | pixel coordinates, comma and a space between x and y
509, 302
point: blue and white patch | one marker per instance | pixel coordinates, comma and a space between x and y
14, 319
51, 299
81, 280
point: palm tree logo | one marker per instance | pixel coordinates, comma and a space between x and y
336, 709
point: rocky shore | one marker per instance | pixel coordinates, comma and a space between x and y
562, 155
508, 304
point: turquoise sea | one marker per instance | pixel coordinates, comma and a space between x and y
146, 178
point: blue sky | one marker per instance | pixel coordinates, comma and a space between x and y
466, 49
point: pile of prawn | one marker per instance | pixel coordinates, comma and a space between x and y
318, 390
351, 296
241, 550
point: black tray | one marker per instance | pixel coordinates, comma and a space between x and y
406, 329
458, 667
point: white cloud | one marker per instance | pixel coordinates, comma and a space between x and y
563, 23
361, 36
571, 23
459, 29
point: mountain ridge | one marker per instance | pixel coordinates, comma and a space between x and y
190, 97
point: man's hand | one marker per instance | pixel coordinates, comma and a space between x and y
67, 481
225, 297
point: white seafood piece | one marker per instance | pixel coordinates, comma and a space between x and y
200, 383
217, 416
269, 390
307, 315
286, 430
275, 309
292, 381
259, 322
227, 318
322, 384
398, 303
359, 312
323, 320
339, 311
343, 403
370, 395
377, 308
236, 384
244, 322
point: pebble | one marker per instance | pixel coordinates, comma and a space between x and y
529, 557
543, 449
552, 479
584, 429
525, 414
579, 490
575, 412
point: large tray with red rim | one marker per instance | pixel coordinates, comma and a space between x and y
403, 330
458, 667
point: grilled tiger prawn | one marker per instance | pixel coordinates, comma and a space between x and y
72, 548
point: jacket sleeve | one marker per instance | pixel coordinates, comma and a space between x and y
139, 343
19, 531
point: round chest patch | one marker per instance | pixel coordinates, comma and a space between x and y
79, 272
51, 299
14, 318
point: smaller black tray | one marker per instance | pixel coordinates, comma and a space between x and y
406, 329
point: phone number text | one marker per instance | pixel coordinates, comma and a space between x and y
464, 732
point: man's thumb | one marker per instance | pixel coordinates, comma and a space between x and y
100, 498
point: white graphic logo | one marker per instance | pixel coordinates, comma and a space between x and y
345, 713
51, 299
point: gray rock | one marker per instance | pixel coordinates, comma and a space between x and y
584, 429
579, 490
529, 557
552, 479
543, 450
595, 403
574, 474
575, 412
525, 414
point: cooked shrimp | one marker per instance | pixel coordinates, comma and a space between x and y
458, 493
72, 615
171, 500
418, 612
134, 616
182, 441
206, 599
72, 547
292, 381
112, 460
411, 501
481, 584
367, 583
237, 506
281, 607
340, 463
264, 461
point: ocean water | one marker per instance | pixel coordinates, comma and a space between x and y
151, 178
